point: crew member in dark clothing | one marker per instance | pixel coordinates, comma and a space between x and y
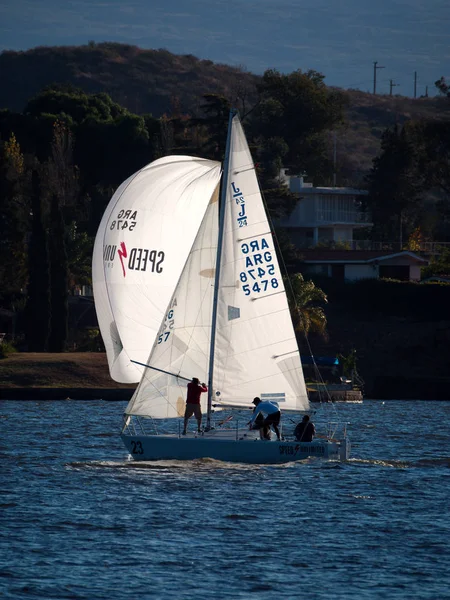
305, 430
194, 391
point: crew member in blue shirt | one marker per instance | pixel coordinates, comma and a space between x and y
273, 416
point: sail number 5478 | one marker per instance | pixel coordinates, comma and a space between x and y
256, 287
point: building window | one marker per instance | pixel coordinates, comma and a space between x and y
336, 208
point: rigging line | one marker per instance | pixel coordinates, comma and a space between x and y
243, 170
283, 264
287, 353
160, 370
266, 296
190, 265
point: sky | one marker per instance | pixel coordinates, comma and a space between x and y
339, 38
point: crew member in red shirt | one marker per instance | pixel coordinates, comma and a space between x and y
194, 390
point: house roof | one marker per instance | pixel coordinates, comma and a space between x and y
319, 255
334, 191
443, 278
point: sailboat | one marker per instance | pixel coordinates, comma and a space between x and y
227, 323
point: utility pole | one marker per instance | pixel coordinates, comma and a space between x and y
391, 85
375, 75
415, 84
401, 231
334, 159
426, 91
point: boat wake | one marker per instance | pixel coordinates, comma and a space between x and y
403, 464
199, 464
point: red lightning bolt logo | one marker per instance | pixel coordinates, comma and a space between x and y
122, 252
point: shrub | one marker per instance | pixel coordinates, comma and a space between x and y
6, 348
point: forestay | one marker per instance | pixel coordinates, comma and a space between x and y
140, 249
256, 352
182, 344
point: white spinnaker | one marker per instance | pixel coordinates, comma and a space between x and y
183, 340
140, 249
256, 352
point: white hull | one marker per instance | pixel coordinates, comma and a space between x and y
225, 447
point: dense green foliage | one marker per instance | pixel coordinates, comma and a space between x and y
409, 184
306, 302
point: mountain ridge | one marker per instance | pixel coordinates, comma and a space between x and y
159, 82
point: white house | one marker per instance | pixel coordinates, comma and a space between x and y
351, 265
323, 214
328, 216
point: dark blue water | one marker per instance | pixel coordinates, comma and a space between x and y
78, 520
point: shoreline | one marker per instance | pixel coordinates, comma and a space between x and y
125, 394
109, 394
85, 376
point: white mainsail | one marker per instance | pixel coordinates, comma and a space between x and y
182, 343
256, 352
140, 249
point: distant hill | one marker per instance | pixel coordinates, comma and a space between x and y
158, 82
368, 116
144, 81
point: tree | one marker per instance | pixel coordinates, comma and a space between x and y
58, 280
217, 111
79, 256
348, 364
305, 302
74, 103
62, 178
443, 86
433, 140
14, 219
38, 301
439, 265
299, 108
395, 186
415, 240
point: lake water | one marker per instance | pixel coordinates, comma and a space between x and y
79, 520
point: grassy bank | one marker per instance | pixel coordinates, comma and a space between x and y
66, 370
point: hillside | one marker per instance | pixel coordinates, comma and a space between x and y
368, 116
159, 82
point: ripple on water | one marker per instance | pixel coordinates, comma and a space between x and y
81, 520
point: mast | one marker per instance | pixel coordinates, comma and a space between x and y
223, 201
